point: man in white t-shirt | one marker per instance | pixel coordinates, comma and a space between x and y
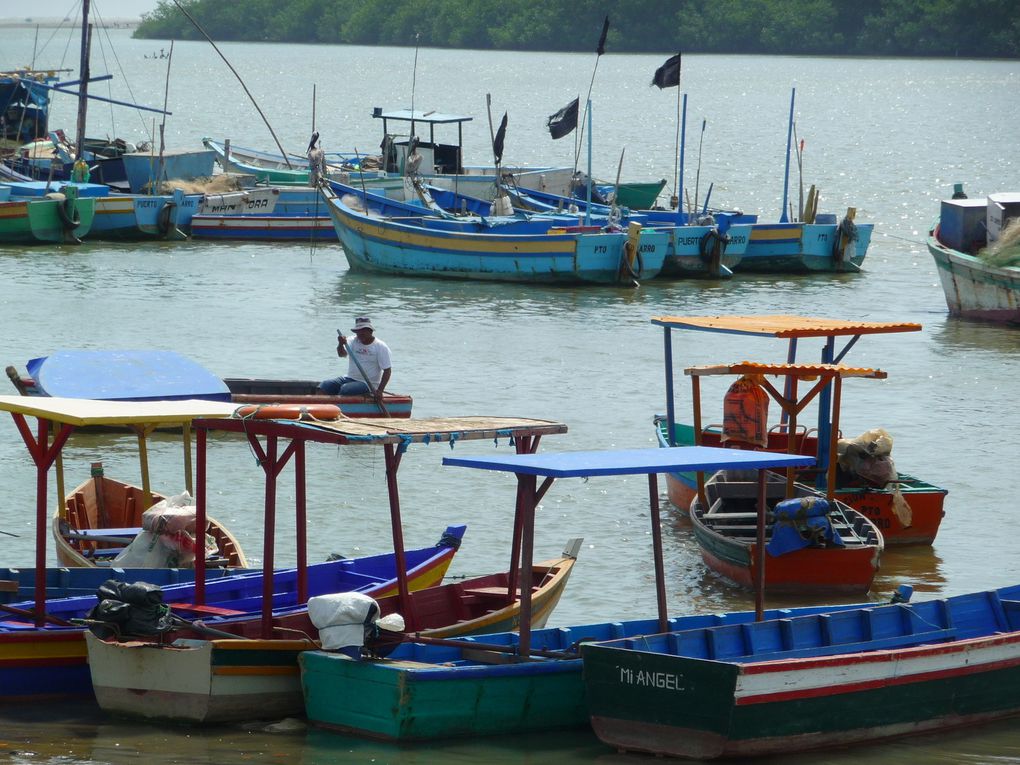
368, 367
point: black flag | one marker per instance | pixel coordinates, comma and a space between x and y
668, 75
602, 40
565, 120
497, 143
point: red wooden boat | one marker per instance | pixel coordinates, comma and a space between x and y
908, 510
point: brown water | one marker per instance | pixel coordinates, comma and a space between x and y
880, 135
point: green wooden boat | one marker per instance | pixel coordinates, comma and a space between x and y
30, 221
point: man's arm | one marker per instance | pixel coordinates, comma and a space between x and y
341, 345
382, 383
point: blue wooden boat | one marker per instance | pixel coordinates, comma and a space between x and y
504, 684
26, 105
146, 375
822, 246
697, 250
538, 250
122, 216
265, 214
146, 171
785, 685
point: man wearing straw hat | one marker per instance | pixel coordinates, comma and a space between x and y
368, 367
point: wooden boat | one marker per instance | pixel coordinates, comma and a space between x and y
978, 270
121, 216
824, 245
709, 250
782, 686
102, 516
64, 218
539, 250
146, 171
826, 547
133, 375
187, 682
26, 106
185, 677
907, 511
504, 684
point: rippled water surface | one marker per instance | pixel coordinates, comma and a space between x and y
888, 137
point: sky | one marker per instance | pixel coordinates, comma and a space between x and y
40, 9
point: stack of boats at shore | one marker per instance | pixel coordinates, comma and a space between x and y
444, 219
400, 656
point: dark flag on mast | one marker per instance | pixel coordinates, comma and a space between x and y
668, 75
565, 120
602, 40
497, 143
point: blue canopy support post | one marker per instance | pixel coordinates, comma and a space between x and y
759, 564
660, 569
670, 403
403, 592
825, 416
783, 217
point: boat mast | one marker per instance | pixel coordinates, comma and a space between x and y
783, 217
83, 74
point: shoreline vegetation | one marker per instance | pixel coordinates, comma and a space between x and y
909, 28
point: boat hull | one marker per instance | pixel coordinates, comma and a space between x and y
263, 227
803, 248
39, 220
670, 702
974, 289
205, 681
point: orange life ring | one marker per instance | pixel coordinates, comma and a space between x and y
289, 412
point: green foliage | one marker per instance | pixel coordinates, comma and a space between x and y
970, 28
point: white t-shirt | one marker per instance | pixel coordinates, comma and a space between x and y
374, 358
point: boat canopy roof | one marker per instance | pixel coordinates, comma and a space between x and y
416, 115
800, 371
84, 412
391, 430
631, 461
783, 326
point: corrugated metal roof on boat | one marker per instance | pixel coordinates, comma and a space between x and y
794, 370
784, 325
86, 411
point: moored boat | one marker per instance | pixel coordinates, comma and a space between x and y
538, 250
976, 247
785, 685
504, 684
188, 682
908, 510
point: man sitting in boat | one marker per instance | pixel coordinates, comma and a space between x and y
368, 366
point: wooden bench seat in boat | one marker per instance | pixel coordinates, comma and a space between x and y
747, 490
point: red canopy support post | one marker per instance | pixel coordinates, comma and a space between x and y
527, 485
403, 592
660, 570
41, 476
523, 446
301, 521
201, 513
269, 538
759, 548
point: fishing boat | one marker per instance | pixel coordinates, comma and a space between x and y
824, 245
264, 214
786, 685
26, 105
42, 654
907, 509
59, 218
507, 684
975, 247
121, 216
538, 250
146, 375
709, 249
181, 675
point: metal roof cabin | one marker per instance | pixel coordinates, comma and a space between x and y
445, 158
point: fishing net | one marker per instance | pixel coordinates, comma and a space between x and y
1004, 251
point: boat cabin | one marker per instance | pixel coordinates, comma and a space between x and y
436, 157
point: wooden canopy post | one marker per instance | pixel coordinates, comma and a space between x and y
522, 445
528, 485
696, 402
189, 483
269, 538
759, 562
403, 592
143, 463
301, 521
660, 569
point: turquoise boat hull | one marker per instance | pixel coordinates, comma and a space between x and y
792, 248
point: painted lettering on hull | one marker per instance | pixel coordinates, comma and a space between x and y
666, 681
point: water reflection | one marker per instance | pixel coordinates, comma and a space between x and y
956, 335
